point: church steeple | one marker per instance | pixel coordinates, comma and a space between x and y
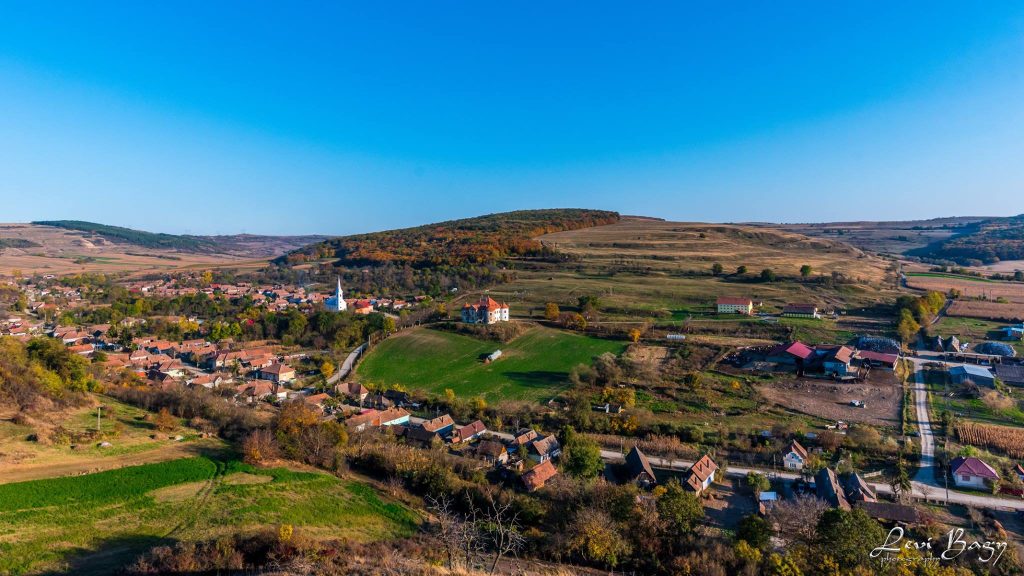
336, 303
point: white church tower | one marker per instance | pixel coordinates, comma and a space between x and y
336, 303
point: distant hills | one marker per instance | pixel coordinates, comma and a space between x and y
245, 245
985, 242
456, 243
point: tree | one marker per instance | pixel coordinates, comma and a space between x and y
388, 324
849, 535
679, 508
757, 483
907, 327
899, 479
797, 518
503, 529
165, 421
593, 536
767, 275
573, 321
635, 334
581, 456
805, 271
259, 446
755, 531
717, 268
551, 311
741, 270
327, 368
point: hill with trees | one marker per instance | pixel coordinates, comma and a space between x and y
987, 242
470, 241
137, 237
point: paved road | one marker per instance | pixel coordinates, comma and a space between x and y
347, 365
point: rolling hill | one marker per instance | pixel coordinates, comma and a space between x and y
65, 247
985, 242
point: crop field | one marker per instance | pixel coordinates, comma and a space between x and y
1004, 439
534, 366
970, 287
93, 523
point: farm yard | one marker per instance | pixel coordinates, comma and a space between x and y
831, 400
534, 366
94, 523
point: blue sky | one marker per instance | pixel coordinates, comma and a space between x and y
346, 117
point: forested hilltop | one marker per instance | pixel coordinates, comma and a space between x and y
984, 243
481, 240
137, 237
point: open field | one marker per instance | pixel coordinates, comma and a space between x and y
534, 366
831, 400
694, 246
52, 250
1004, 311
126, 427
895, 237
970, 287
94, 523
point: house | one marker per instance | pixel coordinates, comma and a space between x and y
206, 380
877, 359
730, 305
354, 390
421, 436
468, 432
801, 311
828, 489
362, 307
858, 490
951, 344
794, 457
969, 373
544, 449
971, 472
255, 390
701, 475
81, 349
535, 478
891, 513
442, 424
608, 408
278, 373
836, 361
794, 353
486, 311
374, 418
1010, 374
639, 468
171, 367
492, 452
317, 400
525, 436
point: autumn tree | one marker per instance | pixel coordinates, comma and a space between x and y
593, 535
327, 368
849, 536
907, 327
165, 421
259, 446
680, 508
635, 334
551, 311
581, 456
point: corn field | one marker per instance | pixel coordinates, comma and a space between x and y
1009, 441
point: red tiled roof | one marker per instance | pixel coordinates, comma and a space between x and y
877, 356
734, 301
536, 477
799, 349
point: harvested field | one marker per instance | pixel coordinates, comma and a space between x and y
972, 288
1002, 311
831, 400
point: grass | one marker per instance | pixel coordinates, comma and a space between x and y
98, 522
948, 275
534, 366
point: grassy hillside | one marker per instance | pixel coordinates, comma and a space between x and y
480, 240
136, 237
92, 524
534, 366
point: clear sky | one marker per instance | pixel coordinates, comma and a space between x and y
331, 117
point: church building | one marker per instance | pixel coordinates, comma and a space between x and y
336, 303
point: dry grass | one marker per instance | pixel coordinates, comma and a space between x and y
1005, 311
675, 246
64, 252
1012, 292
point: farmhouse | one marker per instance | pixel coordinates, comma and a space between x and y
828, 488
442, 424
492, 452
730, 305
795, 353
795, 456
970, 373
801, 311
354, 390
701, 475
639, 468
486, 311
836, 360
972, 472
468, 432
278, 373
858, 489
877, 359
536, 477
545, 449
